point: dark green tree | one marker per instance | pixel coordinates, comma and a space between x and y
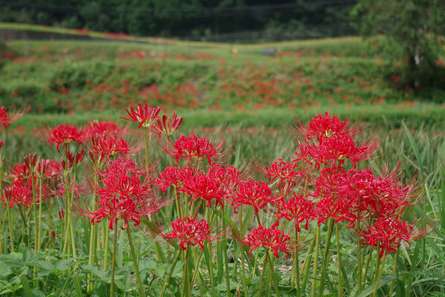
410, 31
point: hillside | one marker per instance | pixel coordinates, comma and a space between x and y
53, 76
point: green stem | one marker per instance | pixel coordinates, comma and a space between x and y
105, 237
39, 217
135, 264
315, 266
10, 229
226, 256
186, 285
113, 260
395, 272
340, 290
325, 257
307, 264
296, 264
378, 274
170, 272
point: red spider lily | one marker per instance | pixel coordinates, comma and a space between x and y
166, 125
269, 238
321, 127
356, 195
72, 159
49, 168
65, 134
228, 178
193, 147
97, 129
19, 193
123, 195
174, 176
189, 232
5, 120
283, 173
381, 196
204, 187
296, 209
143, 114
254, 193
386, 234
105, 147
333, 151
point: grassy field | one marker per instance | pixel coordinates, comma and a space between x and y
69, 76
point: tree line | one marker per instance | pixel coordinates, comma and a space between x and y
271, 19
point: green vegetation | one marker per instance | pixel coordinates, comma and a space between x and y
71, 76
413, 31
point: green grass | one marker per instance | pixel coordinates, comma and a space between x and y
389, 116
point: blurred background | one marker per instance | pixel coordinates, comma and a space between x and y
242, 64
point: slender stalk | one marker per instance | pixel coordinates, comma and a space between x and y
169, 274
340, 290
226, 256
186, 285
93, 233
296, 264
106, 235
263, 276
10, 229
360, 266
394, 271
378, 274
307, 264
315, 266
39, 216
113, 260
135, 264
325, 257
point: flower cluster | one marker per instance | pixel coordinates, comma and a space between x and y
192, 147
189, 232
124, 196
65, 134
269, 238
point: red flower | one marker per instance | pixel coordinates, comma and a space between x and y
19, 193
143, 114
166, 125
5, 121
72, 158
297, 209
98, 129
228, 178
2, 143
204, 187
269, 238
333, 151
174, 176
189, 232
49, 168
65, 134
124, 196
283, 173
321, 127
254, 193
387, 234
191, 147
107, 146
